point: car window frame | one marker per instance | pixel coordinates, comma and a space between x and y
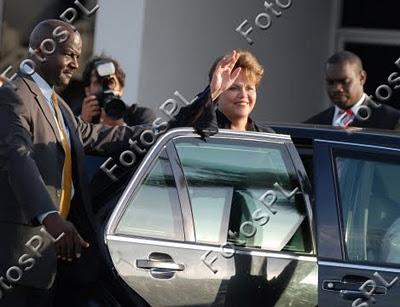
296, 171
136, 180
176, 209
357, 151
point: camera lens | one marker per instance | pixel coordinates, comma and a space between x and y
114, 106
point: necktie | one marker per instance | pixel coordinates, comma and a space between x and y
346, 118
65, 200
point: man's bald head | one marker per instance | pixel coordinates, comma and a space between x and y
343, 57
44, 30
55, 47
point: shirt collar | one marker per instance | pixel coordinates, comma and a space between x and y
44, 87
358, 104
354, 108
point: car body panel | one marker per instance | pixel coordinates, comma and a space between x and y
278, 279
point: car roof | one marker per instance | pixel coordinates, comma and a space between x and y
374, 137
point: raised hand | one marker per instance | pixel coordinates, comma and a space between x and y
224, 75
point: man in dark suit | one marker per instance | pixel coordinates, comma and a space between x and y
345, 79
42, 180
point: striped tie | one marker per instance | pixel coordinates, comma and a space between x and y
66, 191
346, 118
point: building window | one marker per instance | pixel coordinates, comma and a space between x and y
371, 30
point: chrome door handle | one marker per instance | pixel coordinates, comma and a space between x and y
350, 290
156, 264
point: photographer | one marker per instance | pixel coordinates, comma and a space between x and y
104, 82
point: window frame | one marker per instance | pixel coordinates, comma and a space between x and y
176, 210
346, 34
359, 151
295, 174
343, 35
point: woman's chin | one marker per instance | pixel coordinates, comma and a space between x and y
241, 114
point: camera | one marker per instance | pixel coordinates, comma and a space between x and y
107, 97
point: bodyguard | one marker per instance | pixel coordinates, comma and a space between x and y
42, 182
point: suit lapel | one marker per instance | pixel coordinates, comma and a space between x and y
362, 123
41, 100
330, 113
68, 121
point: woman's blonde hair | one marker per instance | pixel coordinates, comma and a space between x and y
249, 64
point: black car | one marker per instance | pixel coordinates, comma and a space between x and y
234, 220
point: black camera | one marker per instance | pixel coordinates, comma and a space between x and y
107, 97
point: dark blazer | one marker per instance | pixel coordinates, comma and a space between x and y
32, 157
382, 117
137, 115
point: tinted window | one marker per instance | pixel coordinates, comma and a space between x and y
154, 210
227, 179
370, 14
369, 198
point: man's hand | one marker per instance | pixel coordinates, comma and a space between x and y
69, 245
223, 76
90, 108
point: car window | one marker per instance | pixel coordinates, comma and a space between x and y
242, 180
154, 209
370, 207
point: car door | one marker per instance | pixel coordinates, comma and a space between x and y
358, 214
222, 222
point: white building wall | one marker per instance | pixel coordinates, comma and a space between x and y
118, 33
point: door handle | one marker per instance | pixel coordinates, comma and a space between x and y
156, 264
350, 290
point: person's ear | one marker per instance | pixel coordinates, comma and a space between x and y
363, 77
38, 54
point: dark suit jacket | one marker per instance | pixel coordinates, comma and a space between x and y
383, 117
32, 157
137, 115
